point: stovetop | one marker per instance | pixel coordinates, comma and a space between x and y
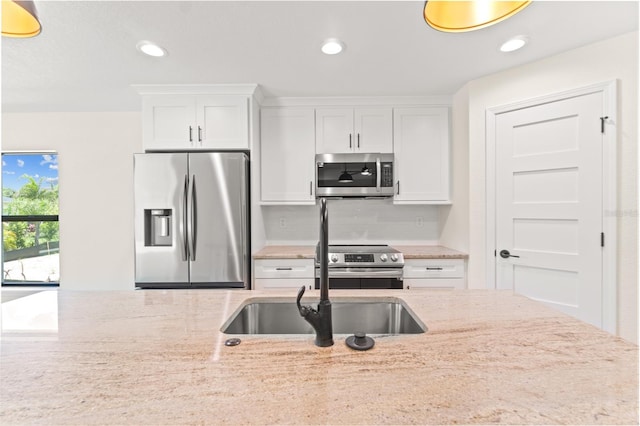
361, 248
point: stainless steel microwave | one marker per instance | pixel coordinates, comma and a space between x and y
354, 175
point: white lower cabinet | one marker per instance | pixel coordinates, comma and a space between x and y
433, 273
277, 274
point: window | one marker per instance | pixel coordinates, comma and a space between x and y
30, 232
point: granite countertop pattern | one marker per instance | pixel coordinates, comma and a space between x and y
158, 357
409, 252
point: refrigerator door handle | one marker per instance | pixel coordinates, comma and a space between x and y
185, 243
193, 218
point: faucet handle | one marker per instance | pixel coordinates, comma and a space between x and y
304, 310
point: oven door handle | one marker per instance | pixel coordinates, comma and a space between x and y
362, 273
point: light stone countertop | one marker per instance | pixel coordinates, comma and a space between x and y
158, 357
409, 252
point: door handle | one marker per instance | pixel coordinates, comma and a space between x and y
193, 218
350, 144
185, 221
505, 254
199, 134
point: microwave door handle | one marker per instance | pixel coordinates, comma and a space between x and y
378, 171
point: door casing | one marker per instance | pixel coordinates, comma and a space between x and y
609, 190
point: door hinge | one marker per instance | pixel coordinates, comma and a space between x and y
602, 239
602, 123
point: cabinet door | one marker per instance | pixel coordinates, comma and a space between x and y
421, 147
287, 155
334, 130
223, 122
168, 122
373, 130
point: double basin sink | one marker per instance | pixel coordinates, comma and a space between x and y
372, 315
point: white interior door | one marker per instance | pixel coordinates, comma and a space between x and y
548, 174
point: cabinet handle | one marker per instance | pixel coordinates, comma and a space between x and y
358, 140
199, 134
439, 268
398, 191
350, 145
310, 187
190, 134
284, 269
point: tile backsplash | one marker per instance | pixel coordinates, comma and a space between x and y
353, 221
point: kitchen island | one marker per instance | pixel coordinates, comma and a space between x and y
158, 357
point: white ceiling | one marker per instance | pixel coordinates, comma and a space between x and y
85, 59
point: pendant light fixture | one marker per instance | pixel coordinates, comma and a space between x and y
460, 16
19, 19
365, 170
345, 177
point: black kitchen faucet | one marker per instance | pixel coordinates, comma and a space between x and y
320, 319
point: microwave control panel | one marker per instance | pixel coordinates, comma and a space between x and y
386, 178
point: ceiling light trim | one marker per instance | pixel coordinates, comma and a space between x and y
332, 46
150, 48
514, 43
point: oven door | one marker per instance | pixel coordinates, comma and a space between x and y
354, 175
362, 278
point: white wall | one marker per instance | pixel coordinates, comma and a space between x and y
96, 190
353, 221
455, 218
615, 58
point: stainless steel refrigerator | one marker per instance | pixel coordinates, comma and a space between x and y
191, 220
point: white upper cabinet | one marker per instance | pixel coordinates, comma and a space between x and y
223, 122
287, 155
195, 122
421, 148
184, 117
344, 130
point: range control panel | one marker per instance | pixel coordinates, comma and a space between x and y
360, 257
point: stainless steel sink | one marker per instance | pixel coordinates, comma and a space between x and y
371, 315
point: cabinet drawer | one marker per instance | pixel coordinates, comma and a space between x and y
434, 268
284, 268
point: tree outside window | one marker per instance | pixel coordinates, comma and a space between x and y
30, 231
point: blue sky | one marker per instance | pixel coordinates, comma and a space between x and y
37, 165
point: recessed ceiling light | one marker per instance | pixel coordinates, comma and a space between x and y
151, 49
332, 46
513, 43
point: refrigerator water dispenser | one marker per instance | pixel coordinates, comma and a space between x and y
157, 227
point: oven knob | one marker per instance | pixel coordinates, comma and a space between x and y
394, 257
334, 258
383, 257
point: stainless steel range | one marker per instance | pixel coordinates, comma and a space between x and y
363, 266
